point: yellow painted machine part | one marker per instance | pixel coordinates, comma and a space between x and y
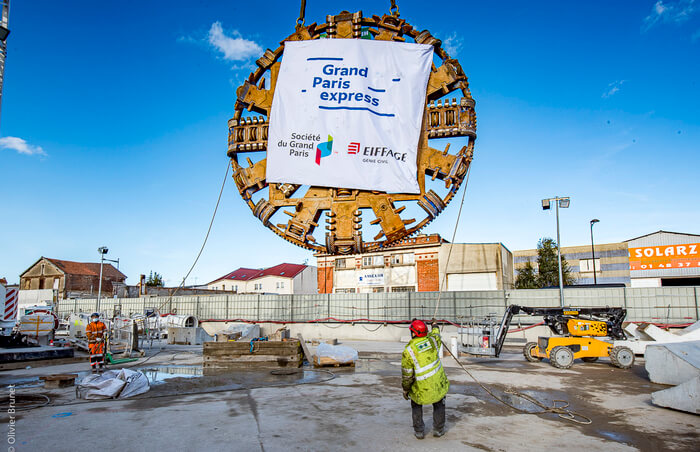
581, 327
589, 347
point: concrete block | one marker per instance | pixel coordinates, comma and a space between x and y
673, 363
692, 330
684, 397
641, 337
188, 336
694, 327
658, 334
637, 347
633, 331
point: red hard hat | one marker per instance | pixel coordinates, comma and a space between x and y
418, 328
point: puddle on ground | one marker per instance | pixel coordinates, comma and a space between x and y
619, 437
159, 374
373, 366
19, 383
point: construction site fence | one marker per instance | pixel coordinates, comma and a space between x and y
667, 305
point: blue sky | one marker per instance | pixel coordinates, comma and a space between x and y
114, 125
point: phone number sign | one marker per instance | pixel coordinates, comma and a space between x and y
665, 257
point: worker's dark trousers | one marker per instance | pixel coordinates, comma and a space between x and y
438, 415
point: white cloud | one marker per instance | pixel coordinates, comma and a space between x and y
234, 47
613, 88
453, 44
670, 12
21, 146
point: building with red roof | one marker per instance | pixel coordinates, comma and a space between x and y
280, 279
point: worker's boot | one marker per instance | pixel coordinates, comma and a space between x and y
419, 435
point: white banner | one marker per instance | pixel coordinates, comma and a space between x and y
347, 113
370, 278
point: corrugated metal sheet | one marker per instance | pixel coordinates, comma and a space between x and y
662, 238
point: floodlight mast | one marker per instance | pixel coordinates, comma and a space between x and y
562, 202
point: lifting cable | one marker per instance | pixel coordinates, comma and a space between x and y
394, 9
560, 410
454, 233
206, 237
302, 14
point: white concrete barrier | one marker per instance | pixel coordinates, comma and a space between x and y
684, 397
673, 363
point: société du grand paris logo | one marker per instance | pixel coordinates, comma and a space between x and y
324, 149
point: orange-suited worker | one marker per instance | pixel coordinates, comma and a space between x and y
96, 331
423, 378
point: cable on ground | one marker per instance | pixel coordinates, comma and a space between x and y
562, 410
29, 402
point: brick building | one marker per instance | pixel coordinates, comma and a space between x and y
69, 279
418, 264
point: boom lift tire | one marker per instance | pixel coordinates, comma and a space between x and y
561, 357
622, 357
527, 352
589, 359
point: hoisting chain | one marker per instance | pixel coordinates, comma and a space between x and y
302, 13
394, 9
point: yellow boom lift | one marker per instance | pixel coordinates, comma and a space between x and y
577, 332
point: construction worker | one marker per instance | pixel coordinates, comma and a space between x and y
423, 378
96, 332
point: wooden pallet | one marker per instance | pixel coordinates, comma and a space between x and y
324, 361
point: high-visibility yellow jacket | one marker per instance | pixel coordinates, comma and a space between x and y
422, 374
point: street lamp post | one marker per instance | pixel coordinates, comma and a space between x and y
562, 202
593, 221
102, 250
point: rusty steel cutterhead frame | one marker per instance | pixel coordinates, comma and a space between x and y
441, 119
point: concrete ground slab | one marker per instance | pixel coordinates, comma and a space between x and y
359, 409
